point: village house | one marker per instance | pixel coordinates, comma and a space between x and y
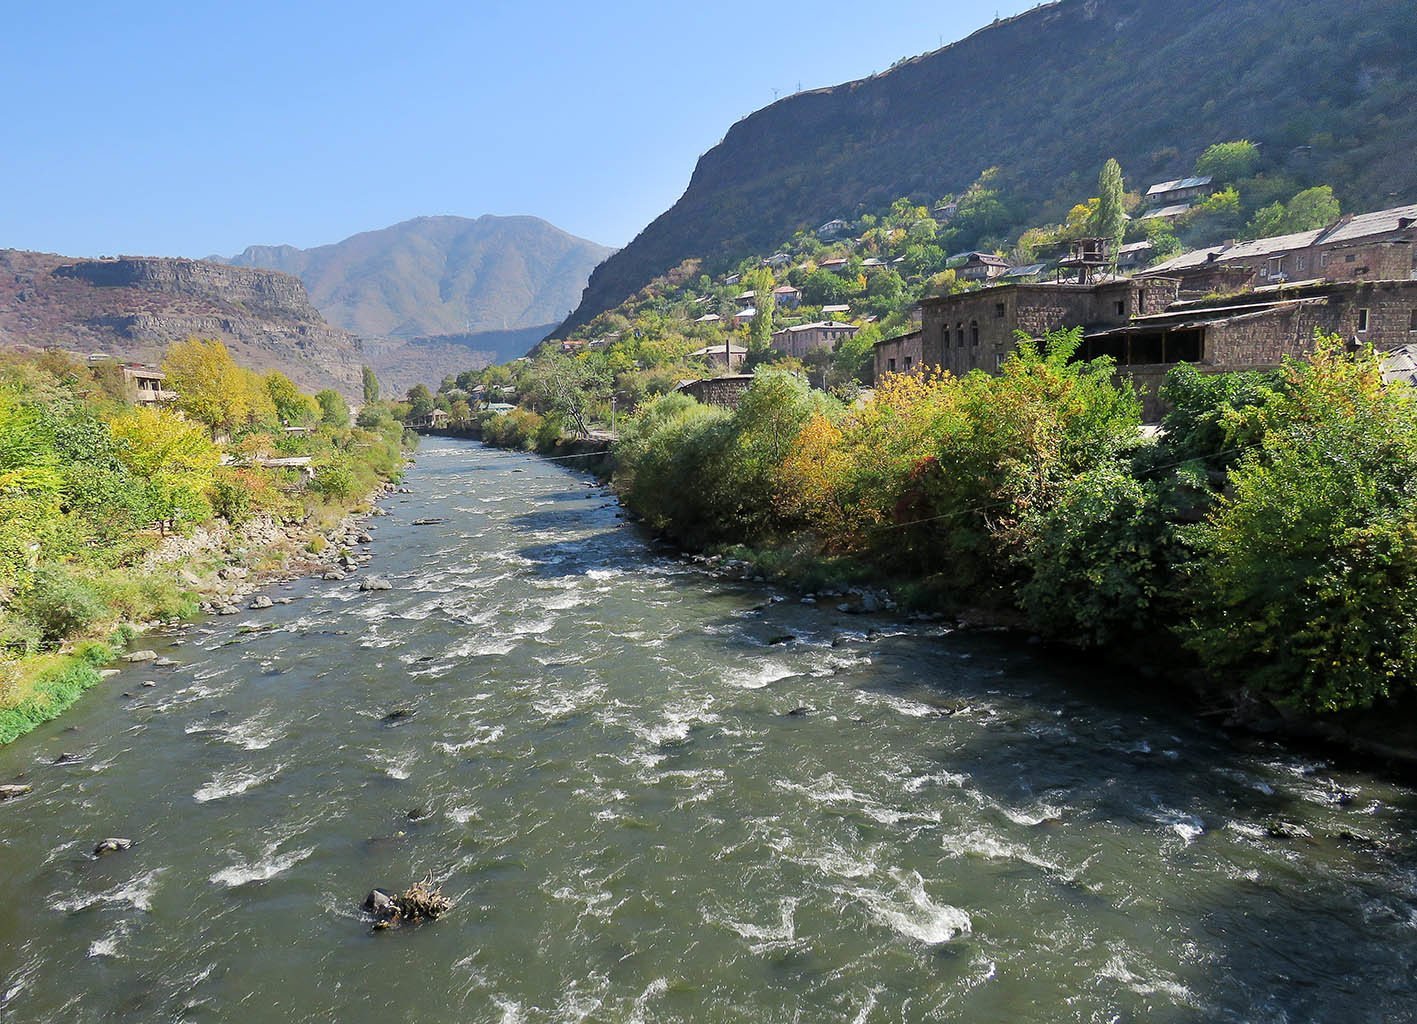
1181, 190
435, 420
708, 318
978, 266
901, 354
724, 391
570, 345
836, 264
1135, 255
727, 355
833, 228
786, 297
146, 386
804, 338
744, 316
1376, 246
777, 259
832, 311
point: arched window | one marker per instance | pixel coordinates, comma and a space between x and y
974, 332
959, 333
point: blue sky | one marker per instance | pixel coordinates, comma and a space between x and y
198, 128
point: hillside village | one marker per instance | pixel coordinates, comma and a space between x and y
1231, 267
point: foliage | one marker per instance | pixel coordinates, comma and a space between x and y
370, 384
1228, 162
59, 604
1309, 209
212, 389
334, 410
1111, 211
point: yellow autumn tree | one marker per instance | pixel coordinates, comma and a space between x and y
175, 459
212, 389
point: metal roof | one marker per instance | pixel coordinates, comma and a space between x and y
1400, 364
1162, 187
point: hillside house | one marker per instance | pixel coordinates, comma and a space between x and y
1135, 255
901, 354
871, 263
728, 355
146, 386
744, 316
978, 266
1377, 246
833, 229
777, 259
804, 338
726, 391
786, 297
1180, 190
832, 312
572, 345
435, 420
708, 318
746, 298
837, 265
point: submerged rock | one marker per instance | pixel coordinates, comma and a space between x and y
260, 602
375, 583
334, 575
1288, 830
112, 845
430, 521
12, 790
400, 714
422, 901
140, 656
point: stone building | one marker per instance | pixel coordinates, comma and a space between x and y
728, 355
147, 386
1376, 246
901, 354
725, 391
804, 338
976, 330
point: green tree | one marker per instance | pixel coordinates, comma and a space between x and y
176, 459
1310, 209
293, 407
334, 410
1111, 209
420, 402
371, 384
210, 387
1228, 162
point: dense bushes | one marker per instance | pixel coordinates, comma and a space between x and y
1271, 531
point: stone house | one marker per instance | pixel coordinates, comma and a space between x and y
728, 355
901, 354
1377, 246
833, 228
1180, 190
147, 386
723, 391
804, 338
744, 316
976, 330
786, 297
980, 266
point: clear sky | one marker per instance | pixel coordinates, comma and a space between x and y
188, 129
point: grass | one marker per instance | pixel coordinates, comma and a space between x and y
48, 686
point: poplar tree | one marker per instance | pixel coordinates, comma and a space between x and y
1111, 216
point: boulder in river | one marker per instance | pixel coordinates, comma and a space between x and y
431, 521
400, 714
334, 575
112, 845
12, 790
375, 583
1288, 830
138, 656
228, 609
259, 603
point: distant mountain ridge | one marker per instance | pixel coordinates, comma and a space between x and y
445, 275
1329, 89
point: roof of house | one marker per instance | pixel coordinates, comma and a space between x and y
751, 293
1167, 212
818, 325
710, 350
1401, 364
1145, 245
1028, 271
784, 289
987, 258
899, 337
834, 262
872, 261
1162, 187
708, 318
746, 313
843, 308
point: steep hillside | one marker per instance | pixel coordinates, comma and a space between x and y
401, 363
134, 307
1327, 88
440, 275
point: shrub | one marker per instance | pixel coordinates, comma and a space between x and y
60, 605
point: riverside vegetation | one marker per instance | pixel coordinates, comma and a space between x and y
92, 486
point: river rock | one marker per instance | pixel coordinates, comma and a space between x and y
10, 791
112, 845
164, 663
260, 602
365, 538
869, 604
431, 521
378, 902
228, 609
1288, 830
139, 656
333, 575
233, 572
375, 583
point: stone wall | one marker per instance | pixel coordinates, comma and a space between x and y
899, 355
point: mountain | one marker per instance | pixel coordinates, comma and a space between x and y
401, 363
134, 307
1328, 90
435, 276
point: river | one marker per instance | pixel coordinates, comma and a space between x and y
603, 768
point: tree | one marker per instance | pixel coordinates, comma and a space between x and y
211, 388
1111, 209
1228, 162
571, 387
1309, 209
292, 406
334, 410
760, 327
420, 402
371, 385
176, 459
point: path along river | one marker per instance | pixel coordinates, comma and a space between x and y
635, 827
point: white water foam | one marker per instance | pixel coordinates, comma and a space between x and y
234, 782
913, 914
137, 893
265, 867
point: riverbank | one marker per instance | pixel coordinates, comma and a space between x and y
213, 570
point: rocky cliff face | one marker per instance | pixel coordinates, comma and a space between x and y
1328, 89
133, 308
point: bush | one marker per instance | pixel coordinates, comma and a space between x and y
333, 482
60, 605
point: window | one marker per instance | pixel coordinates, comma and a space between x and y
1121, 307
974, 332
1351, 258
1298, 264
959, 333
999, 309
1412, 326
999, 358
1362, 321
907, 362
890, 365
